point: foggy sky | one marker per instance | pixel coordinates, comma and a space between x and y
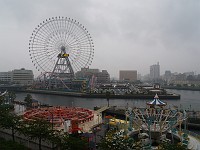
127, 34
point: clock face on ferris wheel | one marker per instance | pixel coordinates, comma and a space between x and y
60, 35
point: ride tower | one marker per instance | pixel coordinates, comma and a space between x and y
62, 70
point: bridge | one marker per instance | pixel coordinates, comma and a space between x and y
102, 109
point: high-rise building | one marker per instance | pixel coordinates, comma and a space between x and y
127, 75
155, 71
167, 74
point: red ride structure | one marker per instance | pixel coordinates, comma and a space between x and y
58, 115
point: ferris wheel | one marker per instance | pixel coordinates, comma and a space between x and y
62, 46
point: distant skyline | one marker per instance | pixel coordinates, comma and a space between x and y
128, 35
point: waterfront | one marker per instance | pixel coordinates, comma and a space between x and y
190, 100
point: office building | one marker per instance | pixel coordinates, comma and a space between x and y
100, 76
18, 76
155, 71
6, 76
128, 75
22, 76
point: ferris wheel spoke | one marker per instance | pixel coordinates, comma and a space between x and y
69, 30
53, 55
39, 34
73, 30
39, 38
71, 40
40, 57
79, 30
59, 22
56, 31
66, 25
83, 38
76, 66
44, 61
36, 42
35, 39
46, 28
80, 33
41, 44
42, 32
88, 62
41, 50
83, 42
78, 45
52, 30
81, 61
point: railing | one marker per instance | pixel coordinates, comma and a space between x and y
197, 136
102, 109
19, 138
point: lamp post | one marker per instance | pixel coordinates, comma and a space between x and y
108, 97
51, 125
51, 120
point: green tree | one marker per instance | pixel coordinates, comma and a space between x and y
28, 99
10, 121
38, 129
73, 142
115, 141
1, 100
169, 146
12, 96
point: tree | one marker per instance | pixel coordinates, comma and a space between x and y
73, 142
10, 121
28, 99
1, 100
11, 96
115, 141
169, 146
37, 129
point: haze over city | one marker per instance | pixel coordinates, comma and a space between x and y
128, 35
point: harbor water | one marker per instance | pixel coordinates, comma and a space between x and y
190, 100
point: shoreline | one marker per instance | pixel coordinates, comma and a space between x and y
182, 88
93, 95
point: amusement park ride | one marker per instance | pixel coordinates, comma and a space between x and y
58, 47
153, 124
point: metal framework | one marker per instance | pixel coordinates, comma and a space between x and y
62, 46
156, 120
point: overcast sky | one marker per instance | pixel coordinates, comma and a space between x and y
127, 34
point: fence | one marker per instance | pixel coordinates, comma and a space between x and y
32, 144
197, 136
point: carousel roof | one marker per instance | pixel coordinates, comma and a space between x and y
156, 101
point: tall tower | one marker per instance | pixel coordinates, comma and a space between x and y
155, 71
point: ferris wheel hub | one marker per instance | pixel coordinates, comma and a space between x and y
63, 49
